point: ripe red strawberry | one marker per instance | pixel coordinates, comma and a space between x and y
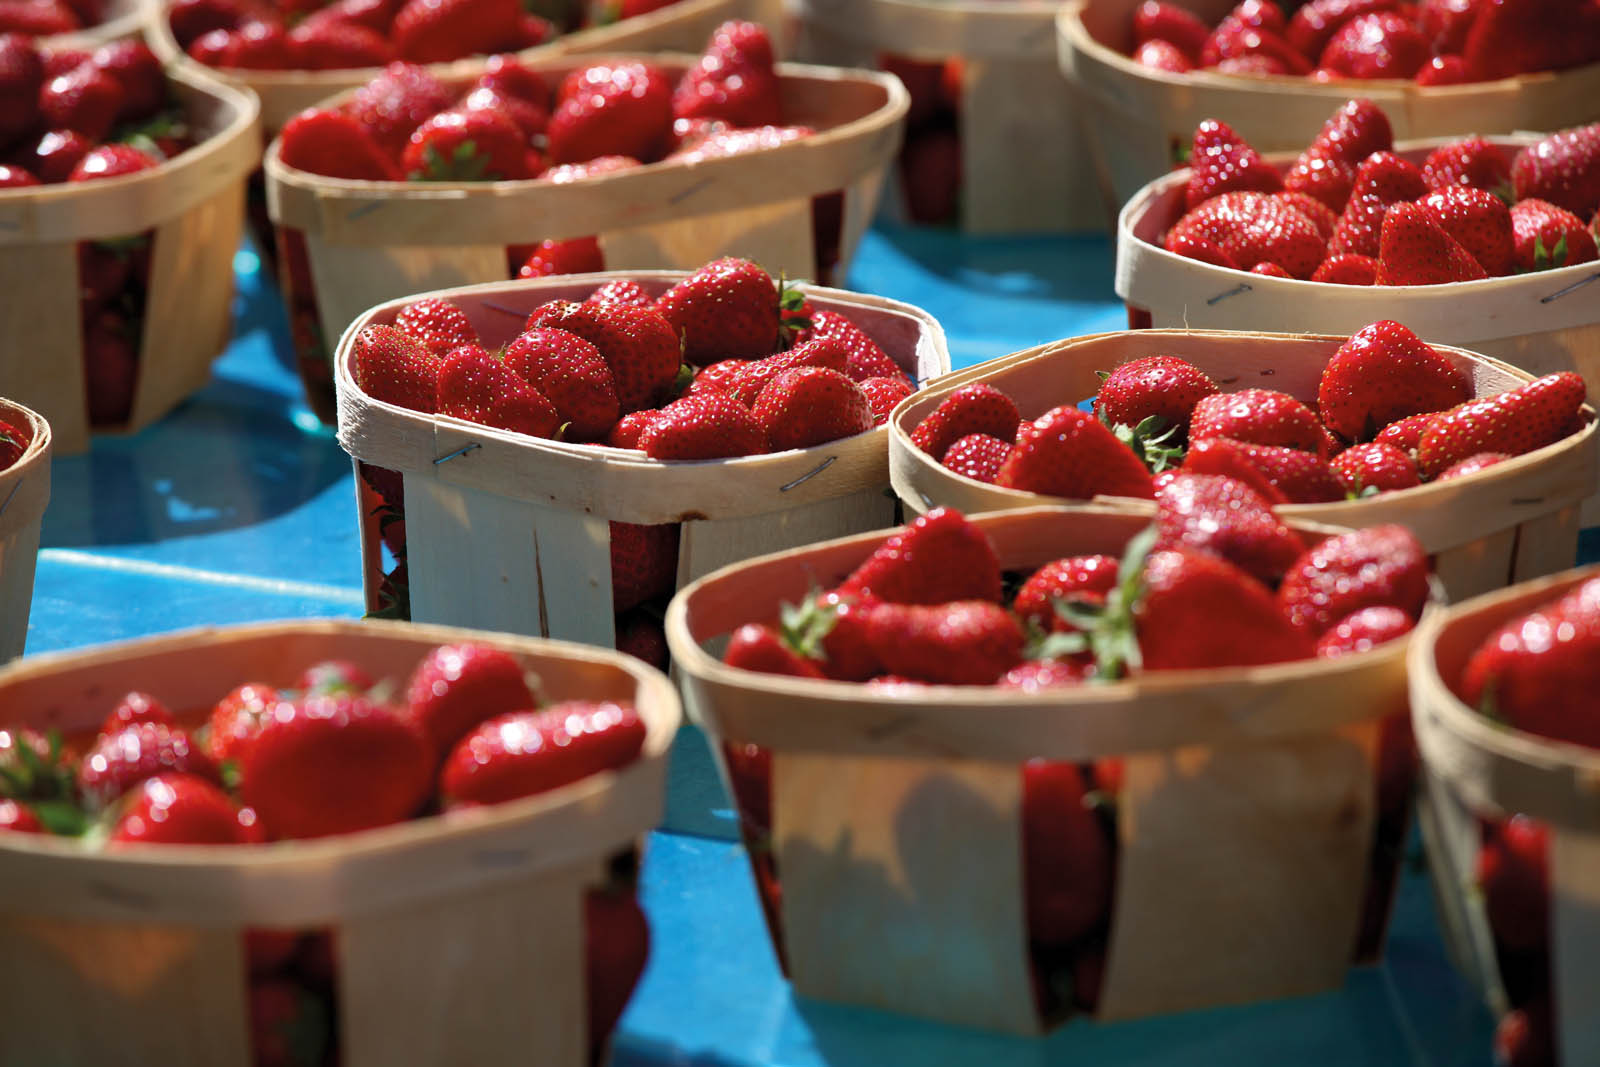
570, 373
254, 45
1545, 236
1221, 161
1258, 416
1513, 873
440, 325
137, 72
644, 563
616, 949
1472, 162
728, 309
1250, 227
600, 165
1536, 671
1513, 36
1154, 20
21, 76
975, 408
118, 762
1372, 567
1445, 23
1087, 578
626, 433
177, 809
1234, 38
719, 143
936, 558
1347, 268
830, 629
1381, 44
1067, 862
1163, 386
1326, 170
333, 764
1270, 270
507, 74
1314, 25
19, 819
1034, 675
706, 425
1414, 250
1526, 1035
806, 406
1224, 517
39, 18
289, 1024
574, 255
639, 346
1252, 64
333, 676
734, 80
1443, 70
864, 358
394, 367
85, 100
620, 291
13, 443
135, 708
977, 455
1198, 612
1067, 453
393, 104
1563, 169
434, 31
1382, 181
1374, 467
1192, 246
1478, 221
1514, 422
456, 687
723, 376
236, 718
1162, 55
760, 649
1319, 213
1405, 434
476, 386
621, 109
1362, 630
1385, 373
13, 177
463, 146
332, 45
111, 161
971, 642
1472, 465
931, 175
883, 394
334, 145
523, 753
1298, 476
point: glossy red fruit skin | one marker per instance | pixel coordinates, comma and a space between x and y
1415, 250
1066, 452
1199, 612
936, 558
524, 753
1563, 168
1087, 577
1546, 236
456, 687
476, 386
1154, 20
1513, 873
1478, 220
1514, 422
1472, 162
1382, 374
19, 819
957, 643
644, 562
122, 760
727, 309
1373, 567
137, 707
614, 110
334, 145
807, 406
758, 648
637, 343
707, 425
978, 456
1249, 227
1376, 45
438, 324
1165, 386
572, 375
1067, 859
1226, 518
616, 949
177, 809
1258, 416
1472, 465
1375, 466
883, 394
1363, 630
975, 408
1221, 161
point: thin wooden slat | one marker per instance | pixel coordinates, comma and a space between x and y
572, 583
42, 365
1546, 545
24, 492
1451, 836
710, 546
776, 235
1574, 935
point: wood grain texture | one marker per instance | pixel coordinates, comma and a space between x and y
24, 493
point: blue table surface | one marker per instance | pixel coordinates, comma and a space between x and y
240, 507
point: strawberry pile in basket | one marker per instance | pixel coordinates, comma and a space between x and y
1434, 42
44, 18
1351, 212
509, 125
333, 755
14, 441
1390, 414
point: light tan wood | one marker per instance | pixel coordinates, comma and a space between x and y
1276, 761
1142, 114
43, 363
24, 492
1574, 932
534, 511
1472, 525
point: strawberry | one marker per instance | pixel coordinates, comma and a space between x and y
1155, 20
830, 630
135, 708
1034, 675
723, 376
864, 359
1446, 23
1526, 1035
1472, 465
138, 73
1162, 55
1250, 227
570, 373
1233, 38
118, 762
1192, 246
254, 45
507, 74
1513, 868
639, 346
1298, 476
975, 408
1563, 169
1478, 221
1374, 468
111, 364
728, 309
434, 31
1381, 44
1515, 36
1385, 373
332, 764
707, 425
1443, 70
111, 161
620, 291
1164, 386
1270, 270
19, 819
524, 753
806, 406
13, 177
1347, 268
977, 455
1257, 416
333, 676
1319, 213
38, 18
1252, 64
1065, 452
375, 15
931, 175
597, 167
177, 809
760, 649
719, 143
191, 18
644, 563
621, 109
883, 394
1067, 861
1314, 25
936, 558
964, 642
1414, 250
1260, 15
394, 367
1362, 630
393, 104
1545, 236
334, 145
628, 429
734, 80
1326, 170
337, 46
459, 145
477, 386
1085, 578
574, 255
1514, 422
456, 687
85, 100
616, 949
236, 718
640, 635
529, 118
1382, 181
1405, 434
13, 443
1472, 162
1221, 161
1373, 567
1224, 517
440, 325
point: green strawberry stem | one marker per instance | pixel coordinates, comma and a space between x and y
1109, 630
803, 626
1153, 441
791, 323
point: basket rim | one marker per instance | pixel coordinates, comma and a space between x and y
39, 429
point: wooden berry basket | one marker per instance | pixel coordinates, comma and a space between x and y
508, 532
685, 25
1478, 768
1515, 521
1245, 820
24, 492
194, 204
478, 909
124, 18
1139, 118
1023, 160
373, 241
